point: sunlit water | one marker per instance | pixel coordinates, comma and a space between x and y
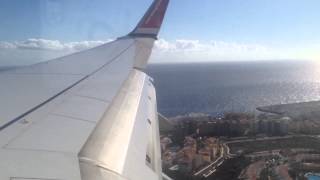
215, 88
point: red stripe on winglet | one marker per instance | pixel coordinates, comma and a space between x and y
151, 22
155, 16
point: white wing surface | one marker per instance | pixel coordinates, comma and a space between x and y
87, 116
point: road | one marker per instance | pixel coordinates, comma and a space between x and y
225, 154
211, 168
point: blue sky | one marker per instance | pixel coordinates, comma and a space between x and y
284, 29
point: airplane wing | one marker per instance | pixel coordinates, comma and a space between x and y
91, 115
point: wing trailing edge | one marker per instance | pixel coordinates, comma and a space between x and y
150, 24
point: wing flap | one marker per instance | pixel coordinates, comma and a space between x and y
118, 145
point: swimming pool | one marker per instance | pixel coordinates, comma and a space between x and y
313, 177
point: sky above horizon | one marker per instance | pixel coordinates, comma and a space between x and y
206, 30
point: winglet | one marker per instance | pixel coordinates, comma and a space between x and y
149, 25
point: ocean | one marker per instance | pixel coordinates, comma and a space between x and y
216, 88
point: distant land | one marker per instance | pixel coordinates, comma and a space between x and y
304, 110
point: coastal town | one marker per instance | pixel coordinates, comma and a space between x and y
267, 145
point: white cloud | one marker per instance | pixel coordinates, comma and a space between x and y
78, 46
41, 44
197, 46
52, 45
37, 50
194, 50
183, 50
7, 45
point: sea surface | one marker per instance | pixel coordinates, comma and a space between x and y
215, 88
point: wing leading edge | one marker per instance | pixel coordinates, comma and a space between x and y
89, 115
